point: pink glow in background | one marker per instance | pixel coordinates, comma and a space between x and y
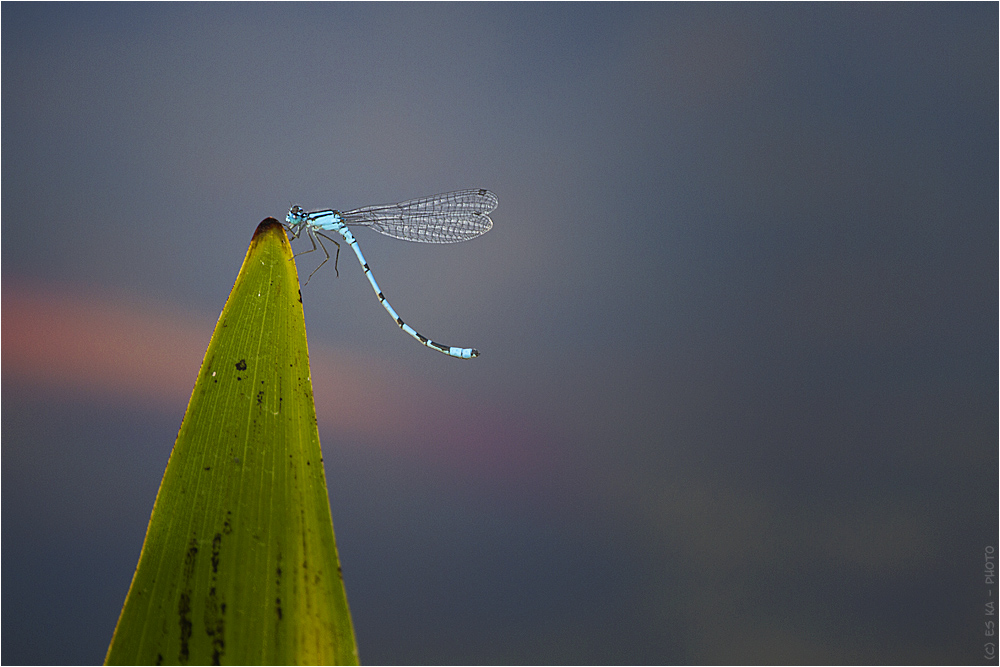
113, 349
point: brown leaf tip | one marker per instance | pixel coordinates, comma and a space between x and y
267, 225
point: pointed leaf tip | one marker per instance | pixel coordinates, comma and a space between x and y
268, 225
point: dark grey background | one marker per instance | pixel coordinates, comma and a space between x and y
738, 313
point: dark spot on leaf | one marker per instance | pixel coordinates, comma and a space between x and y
215, 624
241, 365
216, 547
184, 604
208, 467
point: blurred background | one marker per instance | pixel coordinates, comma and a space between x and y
737, 399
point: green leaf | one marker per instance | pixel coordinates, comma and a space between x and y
240, 563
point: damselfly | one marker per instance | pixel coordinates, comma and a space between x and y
445, 218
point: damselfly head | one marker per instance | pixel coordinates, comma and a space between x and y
296, 216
